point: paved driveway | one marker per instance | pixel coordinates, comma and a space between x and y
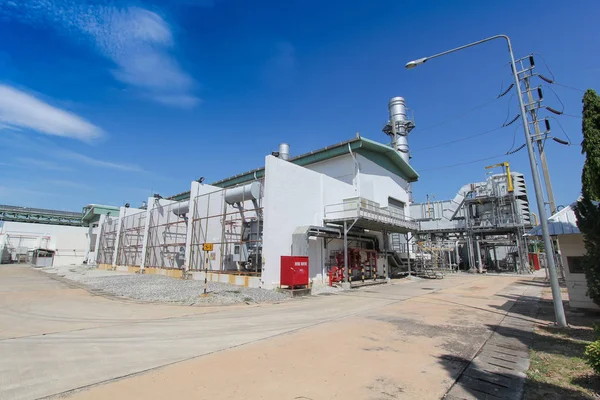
405, 340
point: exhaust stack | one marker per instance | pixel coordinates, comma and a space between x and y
399, 126
284, 151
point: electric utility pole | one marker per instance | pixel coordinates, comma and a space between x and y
532, 105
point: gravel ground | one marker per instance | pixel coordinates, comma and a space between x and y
325, 289
158, 288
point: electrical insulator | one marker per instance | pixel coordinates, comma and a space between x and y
559, 141
511, 121
531, 61
547, 125
506, 91
540, 94
552, 110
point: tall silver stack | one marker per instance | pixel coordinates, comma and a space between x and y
399, 126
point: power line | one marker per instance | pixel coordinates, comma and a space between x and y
563, 129
457, 116
545, 64
572, 115
458, 140
569, 87
558, 98
514, 138
511, 152
463, 163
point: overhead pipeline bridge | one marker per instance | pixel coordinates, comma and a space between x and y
40, 216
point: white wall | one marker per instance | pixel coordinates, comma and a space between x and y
371, 181
377, 184
294, 196
209, 201
341, 168
572, 246
93, 232
69, 242
125, 253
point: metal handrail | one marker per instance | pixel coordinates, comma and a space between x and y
354, 209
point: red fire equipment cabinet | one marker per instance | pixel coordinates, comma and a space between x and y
534, 260
294, 271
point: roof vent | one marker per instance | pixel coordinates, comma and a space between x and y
284, 151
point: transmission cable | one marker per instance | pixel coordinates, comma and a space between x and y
559, 100
506, 121
514, 137
563, 129
457, 116
572, 115
463, 163
458, 140
546, 65
511, 152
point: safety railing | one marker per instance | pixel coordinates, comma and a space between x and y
362, 208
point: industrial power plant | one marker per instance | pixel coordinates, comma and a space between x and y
344, 213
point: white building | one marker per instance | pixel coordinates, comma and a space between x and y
563, 225
69, 236
69, 243
290, 207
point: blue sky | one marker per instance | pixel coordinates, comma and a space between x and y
110, 101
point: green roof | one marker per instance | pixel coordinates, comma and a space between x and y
380, 154
92, 212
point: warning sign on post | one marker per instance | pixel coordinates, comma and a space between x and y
207, 247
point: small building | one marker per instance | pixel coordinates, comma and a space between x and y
68, 235
563, 225
40, 258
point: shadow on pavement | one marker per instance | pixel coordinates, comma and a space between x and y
482, 384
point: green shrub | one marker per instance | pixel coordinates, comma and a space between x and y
596, 327
592, 355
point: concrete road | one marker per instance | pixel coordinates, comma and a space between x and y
405, 340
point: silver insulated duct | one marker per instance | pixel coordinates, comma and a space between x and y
399, 127
284, 151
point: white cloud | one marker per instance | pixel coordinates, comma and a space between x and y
14, 192
68, 159
71, 155
69, 184
20, 110
138, 41
182, 101
43, 164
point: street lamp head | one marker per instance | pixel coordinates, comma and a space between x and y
414, 63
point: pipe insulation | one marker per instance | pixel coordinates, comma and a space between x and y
244, 193
181, 208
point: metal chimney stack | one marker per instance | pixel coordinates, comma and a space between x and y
399, 127
284, 151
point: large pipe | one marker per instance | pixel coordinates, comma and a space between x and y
240, 194
181, 208
397, 109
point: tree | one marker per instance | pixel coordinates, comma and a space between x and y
588, 208
590, 146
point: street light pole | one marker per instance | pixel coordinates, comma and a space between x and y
556, 296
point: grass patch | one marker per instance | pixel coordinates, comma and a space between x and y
558, 369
